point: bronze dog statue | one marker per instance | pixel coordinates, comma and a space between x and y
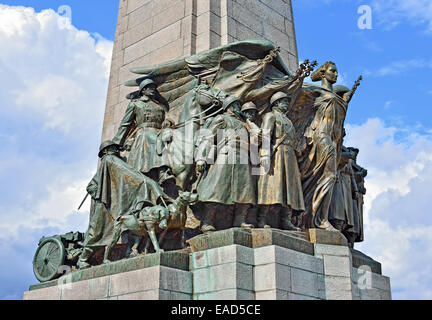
148, 220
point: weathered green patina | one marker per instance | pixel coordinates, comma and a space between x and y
192, 151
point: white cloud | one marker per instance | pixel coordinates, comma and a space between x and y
388, 104
53, 85
398, 227
391, 13
398, 67
58, 72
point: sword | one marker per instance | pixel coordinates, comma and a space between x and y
85, 198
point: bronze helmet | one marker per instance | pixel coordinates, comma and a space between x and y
105, 145
278, 96
229, 101
145, 83
249, 106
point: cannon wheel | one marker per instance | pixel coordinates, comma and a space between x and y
49, 257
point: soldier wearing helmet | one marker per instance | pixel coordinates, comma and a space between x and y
279, 189
147, 114
228, 185
250, 111
116, 190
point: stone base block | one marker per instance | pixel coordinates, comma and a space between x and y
153, 283
326, 237
228, 294
235, 264
252, 238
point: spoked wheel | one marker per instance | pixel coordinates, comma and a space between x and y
49, 257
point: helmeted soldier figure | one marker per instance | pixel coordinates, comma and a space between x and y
280, 189
147, 153
250, 111
117, 189
228, 184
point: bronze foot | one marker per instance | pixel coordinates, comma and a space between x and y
207, 229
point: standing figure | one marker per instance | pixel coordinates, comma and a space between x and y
279, 190
342, 212
227, 185
250, 113
359, 175
324, 136
147, 152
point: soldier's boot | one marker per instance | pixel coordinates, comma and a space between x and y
338, 224
350, 236
286, 224
207, 226
327, 226
83, 259
325, 223
262, 218
240, 217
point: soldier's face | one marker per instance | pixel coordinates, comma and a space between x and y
283, 104
150, 90
250, 114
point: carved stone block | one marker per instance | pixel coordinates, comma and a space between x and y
322, 236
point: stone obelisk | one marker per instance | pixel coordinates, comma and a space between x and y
154, 31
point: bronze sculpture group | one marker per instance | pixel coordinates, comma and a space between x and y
232, 138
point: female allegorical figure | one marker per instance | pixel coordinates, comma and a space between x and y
324, 136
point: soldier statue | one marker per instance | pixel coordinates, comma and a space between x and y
147, 153
117, 189
279, 189
228, 184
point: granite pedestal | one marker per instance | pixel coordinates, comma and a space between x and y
235, 264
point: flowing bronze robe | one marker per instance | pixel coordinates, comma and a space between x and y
342, 206
120, 190
324, 135
282, 184
359, 178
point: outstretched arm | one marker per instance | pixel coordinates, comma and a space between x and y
125, 125
267, 91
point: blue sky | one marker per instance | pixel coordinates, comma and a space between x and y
53, 82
